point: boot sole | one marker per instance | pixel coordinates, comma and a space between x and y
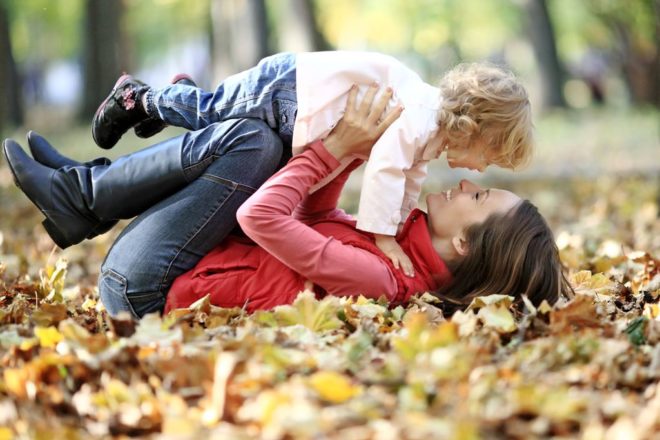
100, 108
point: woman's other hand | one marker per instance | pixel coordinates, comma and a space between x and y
361, 126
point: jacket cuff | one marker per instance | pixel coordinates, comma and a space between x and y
328, 159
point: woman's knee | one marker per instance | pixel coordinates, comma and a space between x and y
129, 285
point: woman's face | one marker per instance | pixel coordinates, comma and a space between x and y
451, 212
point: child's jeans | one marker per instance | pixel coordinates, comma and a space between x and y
266, 92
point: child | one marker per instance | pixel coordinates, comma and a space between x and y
478, 116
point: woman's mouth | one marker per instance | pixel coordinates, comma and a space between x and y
447, 194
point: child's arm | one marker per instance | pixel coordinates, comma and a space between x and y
391, 248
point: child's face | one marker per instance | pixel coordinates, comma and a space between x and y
474, 156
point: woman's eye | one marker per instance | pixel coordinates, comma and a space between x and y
476, 196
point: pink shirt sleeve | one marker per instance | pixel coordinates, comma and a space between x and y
323, 203
267, 218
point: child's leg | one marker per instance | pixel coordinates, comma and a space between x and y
266, 92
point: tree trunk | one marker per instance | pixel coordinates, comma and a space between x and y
103, 57
640, 66
543, 41
11, 109
299, 29
239, 35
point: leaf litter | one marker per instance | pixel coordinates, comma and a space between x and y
587, 367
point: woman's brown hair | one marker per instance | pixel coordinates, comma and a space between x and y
510, 254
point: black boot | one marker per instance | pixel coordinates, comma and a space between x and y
119, 112
44, 153
80, 202
153, 126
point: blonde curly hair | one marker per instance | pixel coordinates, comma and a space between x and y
482, 100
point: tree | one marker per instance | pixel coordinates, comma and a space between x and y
11, 109
542, 36
239, 35
103, 55
635, 28
299, 30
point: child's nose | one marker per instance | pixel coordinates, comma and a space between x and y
466, 185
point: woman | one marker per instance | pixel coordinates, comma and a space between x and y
186, 200
471, 242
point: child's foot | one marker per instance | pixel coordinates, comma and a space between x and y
152, 126
119, 112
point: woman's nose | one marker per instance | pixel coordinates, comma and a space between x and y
466, 185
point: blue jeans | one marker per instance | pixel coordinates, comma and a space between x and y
228, 162
266, 91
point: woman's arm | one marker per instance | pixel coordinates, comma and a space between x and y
323, 203
267, 216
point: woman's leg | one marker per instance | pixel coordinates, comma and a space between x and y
172, 236
82, 201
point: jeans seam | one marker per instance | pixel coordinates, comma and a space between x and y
178, 252
201, 164
237, 186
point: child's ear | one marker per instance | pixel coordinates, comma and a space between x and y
460, 245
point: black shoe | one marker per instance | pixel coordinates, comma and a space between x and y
119, 112
152, 126
37, 182
44, 153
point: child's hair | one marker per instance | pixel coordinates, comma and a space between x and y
487, 101
509, 254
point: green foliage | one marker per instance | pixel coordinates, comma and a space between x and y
45, 30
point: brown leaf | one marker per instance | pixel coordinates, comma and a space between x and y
577, 313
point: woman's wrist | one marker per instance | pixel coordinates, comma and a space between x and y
334, 147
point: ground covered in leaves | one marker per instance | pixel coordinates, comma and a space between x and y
343, 368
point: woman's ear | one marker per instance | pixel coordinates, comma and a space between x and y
460, 245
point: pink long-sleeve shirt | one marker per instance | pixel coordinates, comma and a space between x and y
303, 239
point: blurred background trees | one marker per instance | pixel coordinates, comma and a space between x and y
60, 58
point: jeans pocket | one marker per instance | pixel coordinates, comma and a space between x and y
286, 112
113, 289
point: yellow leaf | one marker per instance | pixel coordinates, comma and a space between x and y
48, 336
306, 310
88, 304
15, 380
652, 311
483, 301
498, 318
333, 387
267, 403
581, 277
544, 307
6, 433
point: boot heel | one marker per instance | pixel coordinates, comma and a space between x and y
56, 234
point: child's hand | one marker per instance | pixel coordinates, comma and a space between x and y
391, 248
361, 126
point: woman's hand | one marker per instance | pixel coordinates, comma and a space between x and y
361, 126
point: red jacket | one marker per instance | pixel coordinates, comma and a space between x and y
305, 238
